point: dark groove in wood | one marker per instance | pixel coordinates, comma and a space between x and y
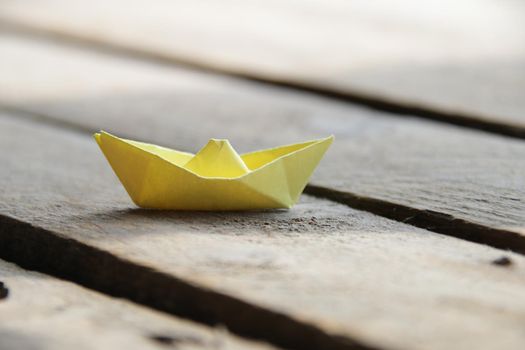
502, 261
16, 112
4, 291
427, 219
41, 250
371, 101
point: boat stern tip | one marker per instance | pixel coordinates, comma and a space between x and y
96, 136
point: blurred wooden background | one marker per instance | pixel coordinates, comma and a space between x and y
410, 235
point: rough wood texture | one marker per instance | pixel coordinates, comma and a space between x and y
465, 59
469, 175
342, 271
42, 312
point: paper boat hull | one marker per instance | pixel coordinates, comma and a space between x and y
153, 182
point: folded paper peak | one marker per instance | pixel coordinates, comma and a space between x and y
216, 177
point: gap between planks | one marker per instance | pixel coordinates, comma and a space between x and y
41, 312
101, 271
371, 101
427, 219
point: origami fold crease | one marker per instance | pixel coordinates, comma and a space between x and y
215, 178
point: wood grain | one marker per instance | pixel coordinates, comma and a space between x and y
412, 56
470, 176
42, 312
321, 267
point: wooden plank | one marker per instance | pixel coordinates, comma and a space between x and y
424, 57
468, 175
42, 312
319, 276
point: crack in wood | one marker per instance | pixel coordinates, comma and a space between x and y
504, 261
170, 340
399, 109
4, 291
41, 250
427, 219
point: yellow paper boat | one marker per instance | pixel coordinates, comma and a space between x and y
216, 178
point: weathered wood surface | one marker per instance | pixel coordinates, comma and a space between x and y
469, 175
41, 312
345, 272
465, 58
